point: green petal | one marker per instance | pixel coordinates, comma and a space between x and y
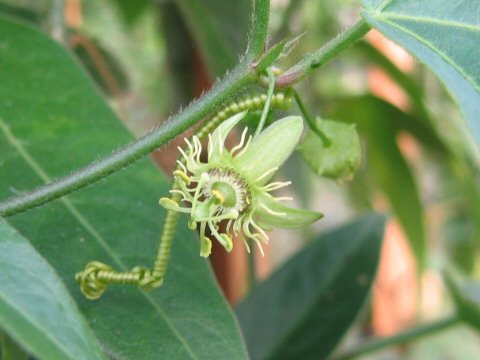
270, 149
287, 218
221, 133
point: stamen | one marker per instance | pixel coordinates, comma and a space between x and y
205, 242
261, 232
189, 144
210, 146
170, 204
237, 225
265, 174
192, 224
176, 191
182, 175
198, 147
205, 246
275, 185
272, 212
186, 190
232, 214
203, 179
260, 247
182, 152
203, 225
254, 238
246, 245
228, 240
224, 240
179, 163
228, 228
246, 229
241, 152
242, 141
220, 142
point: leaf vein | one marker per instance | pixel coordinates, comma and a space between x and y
34, 323
445, 57
387, 15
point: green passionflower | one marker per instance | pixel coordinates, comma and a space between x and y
233, 185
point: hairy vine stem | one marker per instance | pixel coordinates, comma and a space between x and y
243, 75
246, 73
319, 58
236, 80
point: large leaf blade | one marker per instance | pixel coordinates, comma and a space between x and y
443, 35
54, 121
303, 310
48, 322
380, 122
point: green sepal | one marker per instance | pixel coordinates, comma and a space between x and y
270, 149
220, 134
291, 218
338, 160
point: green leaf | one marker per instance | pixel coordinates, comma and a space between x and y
467, 300
219, 28
35, 307
274, 53
380, 122
304, 309
131, 10
406, 81
369, 106
20, 12
53, 121
443, 35
100, 64
9, 349
341, 158
181, 56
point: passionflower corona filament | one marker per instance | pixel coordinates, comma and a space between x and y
233, 187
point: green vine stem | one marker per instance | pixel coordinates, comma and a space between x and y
408, 335
96, 276
243, 75
236, 80
323, 55
310, 121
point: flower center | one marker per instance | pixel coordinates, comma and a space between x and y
225, 194
229, 189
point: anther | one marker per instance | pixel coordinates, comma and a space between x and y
205, 246
192, 224
168, 203
227, 241
182, 175
218, 195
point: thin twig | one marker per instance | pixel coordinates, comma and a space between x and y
323, 55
